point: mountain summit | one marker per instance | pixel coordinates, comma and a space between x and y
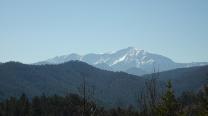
129, 60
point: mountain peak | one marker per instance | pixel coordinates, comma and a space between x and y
131, 51
123, 60
133, 48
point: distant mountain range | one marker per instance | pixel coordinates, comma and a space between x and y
112, 88
131, 60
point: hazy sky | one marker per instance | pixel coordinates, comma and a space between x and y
34, 30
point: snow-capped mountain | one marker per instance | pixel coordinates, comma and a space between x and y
128, 60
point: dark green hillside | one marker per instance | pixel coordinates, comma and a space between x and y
17, 78
112, 88
185, 79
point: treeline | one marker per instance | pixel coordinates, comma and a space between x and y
151, 103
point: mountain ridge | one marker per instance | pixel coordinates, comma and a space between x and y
17, 78
124, 60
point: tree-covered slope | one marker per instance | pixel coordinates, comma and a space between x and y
110, 87
185, 79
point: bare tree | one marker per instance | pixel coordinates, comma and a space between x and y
150, 95
87, 93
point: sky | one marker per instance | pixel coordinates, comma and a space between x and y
35, 30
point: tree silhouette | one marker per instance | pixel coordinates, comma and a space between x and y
168, 105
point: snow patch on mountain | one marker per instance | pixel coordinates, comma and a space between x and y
119, 60
124, 60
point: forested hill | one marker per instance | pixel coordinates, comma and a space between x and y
112, 88
185, 79
109, 87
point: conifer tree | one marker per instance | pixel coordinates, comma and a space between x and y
24, 105
168, 105
203, 96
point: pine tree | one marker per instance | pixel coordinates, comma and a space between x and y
24, 105
168, 105
36, 107
203, 96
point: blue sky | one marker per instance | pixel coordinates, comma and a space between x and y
34, 30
